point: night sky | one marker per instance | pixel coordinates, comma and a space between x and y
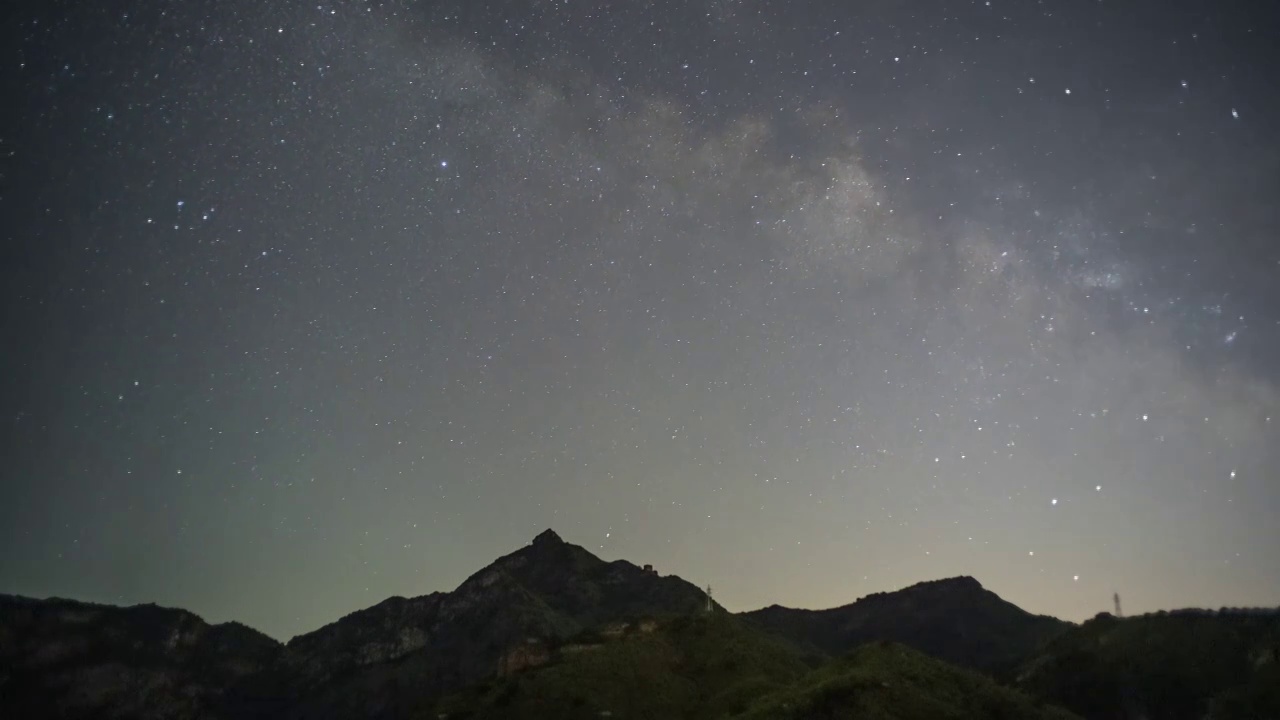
308, 305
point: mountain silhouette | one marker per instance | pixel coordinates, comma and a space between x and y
551, 630
954, 619
441, 642
68, 659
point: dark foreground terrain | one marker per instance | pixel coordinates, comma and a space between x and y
551, 631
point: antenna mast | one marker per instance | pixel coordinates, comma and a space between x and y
708, 599
1116, 597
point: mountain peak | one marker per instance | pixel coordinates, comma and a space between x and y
954, 619
547, 537
959, 582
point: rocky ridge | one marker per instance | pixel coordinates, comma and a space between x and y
68, 659
954, 619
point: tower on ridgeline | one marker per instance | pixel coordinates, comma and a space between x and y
708, 599
1116, 597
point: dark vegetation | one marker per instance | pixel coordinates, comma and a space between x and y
551, 631
62, 658
888, 680
956, 620
718, 666
692, 666
1184, 665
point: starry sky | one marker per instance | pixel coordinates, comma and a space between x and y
308, 305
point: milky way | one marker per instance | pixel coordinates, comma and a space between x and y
311, 305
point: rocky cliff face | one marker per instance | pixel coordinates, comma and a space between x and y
395, 656
390, 630
531, 653
67, 659
955, 619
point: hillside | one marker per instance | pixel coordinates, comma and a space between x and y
1186, 665
718, 666
955, 619
696, 666
146, 662
401, 653
888, 681
62, 658
550, 630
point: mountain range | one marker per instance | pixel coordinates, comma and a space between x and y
551, 630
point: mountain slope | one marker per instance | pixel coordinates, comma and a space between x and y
1185, 665
550, 630
719, 666
956, 620
888, 681
400, 653
62, 658
696, 666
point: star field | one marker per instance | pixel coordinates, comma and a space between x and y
311, 305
